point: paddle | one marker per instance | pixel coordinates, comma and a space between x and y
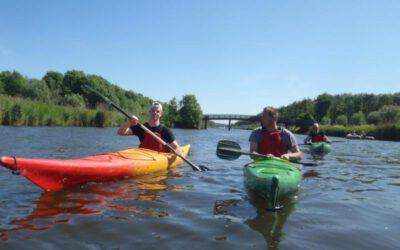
230, 150
194, 167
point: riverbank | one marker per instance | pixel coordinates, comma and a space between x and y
22, 112
389, 132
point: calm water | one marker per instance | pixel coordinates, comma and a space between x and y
350, 200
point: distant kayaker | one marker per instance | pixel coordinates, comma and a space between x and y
316, 135
271, 140
131, 127
353, 135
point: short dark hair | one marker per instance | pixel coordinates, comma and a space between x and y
271, 111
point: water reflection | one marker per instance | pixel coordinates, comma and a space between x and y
270, 224
128, 197
310, 173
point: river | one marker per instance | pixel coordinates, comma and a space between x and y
349, 200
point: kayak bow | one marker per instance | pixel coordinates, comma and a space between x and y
272, 178
320, 148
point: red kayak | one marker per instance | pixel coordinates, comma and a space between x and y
58, 174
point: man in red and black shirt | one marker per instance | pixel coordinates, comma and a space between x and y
316, 135
272, 140
132, 127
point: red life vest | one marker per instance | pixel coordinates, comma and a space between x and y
317, 137
271, 143
150, 143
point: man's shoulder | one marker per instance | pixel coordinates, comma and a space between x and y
256, 135
258, 129
286, 131
162, 127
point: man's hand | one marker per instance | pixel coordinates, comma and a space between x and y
285, 157
134, 120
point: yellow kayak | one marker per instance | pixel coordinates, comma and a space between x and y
53, 174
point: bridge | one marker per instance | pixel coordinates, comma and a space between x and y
206, 118
254, 118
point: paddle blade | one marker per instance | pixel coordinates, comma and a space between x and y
228, 150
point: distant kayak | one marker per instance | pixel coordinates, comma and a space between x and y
272, 178
320, 148
53, 174
359, 137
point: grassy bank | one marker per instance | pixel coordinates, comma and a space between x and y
22, 112
390, 132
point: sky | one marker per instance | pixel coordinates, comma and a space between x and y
235, 56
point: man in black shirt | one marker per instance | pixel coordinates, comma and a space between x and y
132, 127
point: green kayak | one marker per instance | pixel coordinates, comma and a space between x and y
272, 178
320, 148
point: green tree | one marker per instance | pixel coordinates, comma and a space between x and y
338, 107
396, 99
74, 100
36, 90
171, 113
54, 81
101, 85
357, 119
322, 106
374, 118
341, 120
390, 114
2, 87
190, 112
73, 81
13, 82
306, 116
326, 120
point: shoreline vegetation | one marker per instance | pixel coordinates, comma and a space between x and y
60, 100
389, 132
376, 115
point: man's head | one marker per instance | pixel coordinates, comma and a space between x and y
315, 127
269, 116
155, 111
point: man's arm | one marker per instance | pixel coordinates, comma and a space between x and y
176, 147
326, 139
308, 140
254, 149
125, 128
295, 154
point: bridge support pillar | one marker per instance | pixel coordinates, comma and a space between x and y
205, 123
229, 125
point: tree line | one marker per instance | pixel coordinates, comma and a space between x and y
376, 115
61, 100
347, 109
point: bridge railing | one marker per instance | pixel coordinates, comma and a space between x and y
230, 117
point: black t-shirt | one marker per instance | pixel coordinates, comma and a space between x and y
166, 133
